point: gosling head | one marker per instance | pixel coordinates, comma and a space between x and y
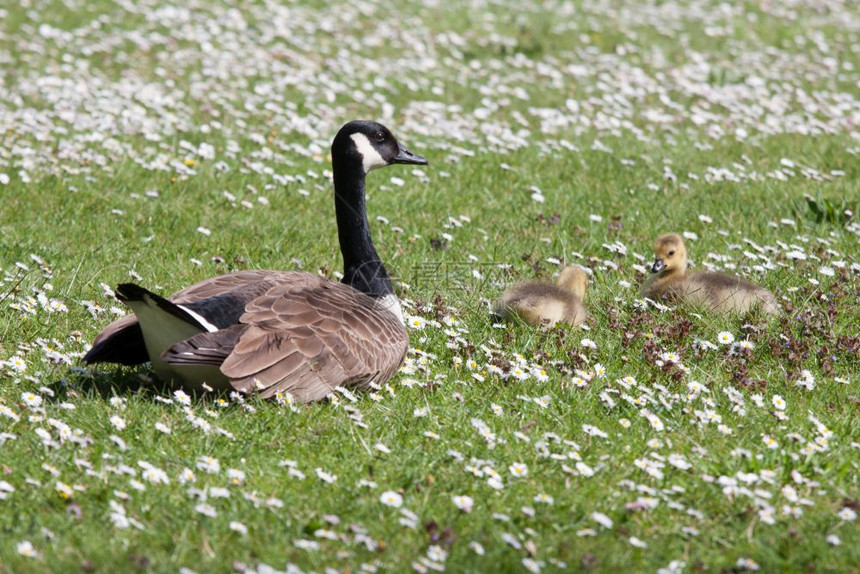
671, 255
371, 145
574, 279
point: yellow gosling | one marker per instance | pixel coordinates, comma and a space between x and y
669, 281
544, 303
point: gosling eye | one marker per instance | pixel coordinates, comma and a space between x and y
671, 253
380, 137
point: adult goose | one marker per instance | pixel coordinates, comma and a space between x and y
276, 332
670, 281
544, 303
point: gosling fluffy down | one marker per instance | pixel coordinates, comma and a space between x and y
669, 281
544, 303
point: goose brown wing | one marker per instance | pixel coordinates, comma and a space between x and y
122, 341
305, 337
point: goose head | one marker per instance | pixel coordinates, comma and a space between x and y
670, 253
574, 279
359, 147
370, 145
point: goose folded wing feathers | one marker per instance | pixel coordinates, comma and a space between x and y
207, 348
305, 341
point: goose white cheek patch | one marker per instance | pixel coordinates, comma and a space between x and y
370, 157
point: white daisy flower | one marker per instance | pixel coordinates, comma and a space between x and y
518, 469
391, 498
725, 338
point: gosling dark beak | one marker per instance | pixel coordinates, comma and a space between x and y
406, 156
658, 266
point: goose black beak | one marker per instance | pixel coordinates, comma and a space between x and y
406, 156
658, 266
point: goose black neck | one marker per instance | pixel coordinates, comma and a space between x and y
362, 268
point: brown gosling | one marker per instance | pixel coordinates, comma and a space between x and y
539, 303
669, 281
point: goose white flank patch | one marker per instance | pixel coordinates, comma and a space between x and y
544, 303
669, 281
280, 332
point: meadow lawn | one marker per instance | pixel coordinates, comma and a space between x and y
165, 143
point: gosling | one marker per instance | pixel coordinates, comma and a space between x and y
669, 281
539, 303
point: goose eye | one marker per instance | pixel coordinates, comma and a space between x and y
671, 253
380, 137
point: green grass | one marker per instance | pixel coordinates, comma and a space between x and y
86, 214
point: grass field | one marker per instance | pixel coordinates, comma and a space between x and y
166, 143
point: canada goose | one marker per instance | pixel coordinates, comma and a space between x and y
670, 281
280, 332
536, 303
